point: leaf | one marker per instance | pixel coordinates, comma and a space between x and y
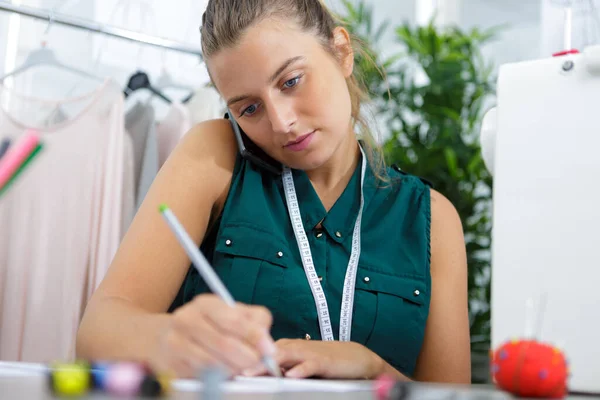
381, 31
451, 161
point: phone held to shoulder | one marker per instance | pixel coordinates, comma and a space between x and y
250, 151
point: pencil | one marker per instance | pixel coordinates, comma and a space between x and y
19, 171
207, 273
16, 155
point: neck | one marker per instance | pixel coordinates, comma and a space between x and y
338, 170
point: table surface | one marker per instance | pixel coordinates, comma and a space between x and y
35, 386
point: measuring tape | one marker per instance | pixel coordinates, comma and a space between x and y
309, 267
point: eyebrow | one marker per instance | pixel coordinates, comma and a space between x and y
279, 70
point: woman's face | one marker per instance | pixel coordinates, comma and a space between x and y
287, 92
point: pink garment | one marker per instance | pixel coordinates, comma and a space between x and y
61, 222
171, 129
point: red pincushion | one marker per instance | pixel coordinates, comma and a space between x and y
528, 368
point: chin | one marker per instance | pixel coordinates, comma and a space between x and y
313, 157
306, 162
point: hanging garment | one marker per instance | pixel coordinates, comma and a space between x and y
140, 124
171, 129
4, 146
206, 104
128, 210
61, 221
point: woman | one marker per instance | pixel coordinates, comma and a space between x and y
286, 72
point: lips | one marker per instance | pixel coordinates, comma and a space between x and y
299, 140
301, 143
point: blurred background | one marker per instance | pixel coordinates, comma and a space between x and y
439, 57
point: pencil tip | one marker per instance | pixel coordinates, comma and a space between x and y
162, 208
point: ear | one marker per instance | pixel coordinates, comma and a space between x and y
343, 48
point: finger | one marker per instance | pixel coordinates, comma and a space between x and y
233, 321
305, 369
187, 355
182, 369
234, 352
259, 314
258, 370
263, 317
177, 365
204, 321
290, 354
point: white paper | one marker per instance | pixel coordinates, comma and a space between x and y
276, 385
237, 385
10, 369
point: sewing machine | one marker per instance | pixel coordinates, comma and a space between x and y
542, 145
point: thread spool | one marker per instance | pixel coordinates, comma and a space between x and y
124, 379
151, 386
98, 372
69, 379
387, 388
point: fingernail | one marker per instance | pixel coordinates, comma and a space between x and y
267, 346
253, 371
293, 373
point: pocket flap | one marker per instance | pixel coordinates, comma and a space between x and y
250, 241
410, 289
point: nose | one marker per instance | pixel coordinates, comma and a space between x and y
282, 116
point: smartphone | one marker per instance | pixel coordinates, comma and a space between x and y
250, 151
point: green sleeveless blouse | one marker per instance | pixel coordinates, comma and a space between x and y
254, 251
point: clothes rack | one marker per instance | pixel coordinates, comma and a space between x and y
62, 19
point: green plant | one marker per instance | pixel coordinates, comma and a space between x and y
430, 103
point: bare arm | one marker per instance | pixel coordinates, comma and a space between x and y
445, 356
128, 311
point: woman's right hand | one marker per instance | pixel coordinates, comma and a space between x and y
208, 332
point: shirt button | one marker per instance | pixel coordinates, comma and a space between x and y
228, 242
320, 279
417, 292
367, 279
280, 254
307, 337
319, 234
338, 234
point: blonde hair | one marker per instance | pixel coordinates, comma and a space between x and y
224, 22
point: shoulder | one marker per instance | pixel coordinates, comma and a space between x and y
410, 188
206, 153
442, 220
443, 212
399, 177
447, 235
435, 203
211, 140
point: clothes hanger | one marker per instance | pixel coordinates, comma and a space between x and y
46, 57
140, 80
165, 80
207, 85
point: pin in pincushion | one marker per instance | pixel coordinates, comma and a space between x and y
528, 368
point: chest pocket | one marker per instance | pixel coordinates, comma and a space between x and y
252, 263
395, 308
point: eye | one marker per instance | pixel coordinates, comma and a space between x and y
249, 110
291, 83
